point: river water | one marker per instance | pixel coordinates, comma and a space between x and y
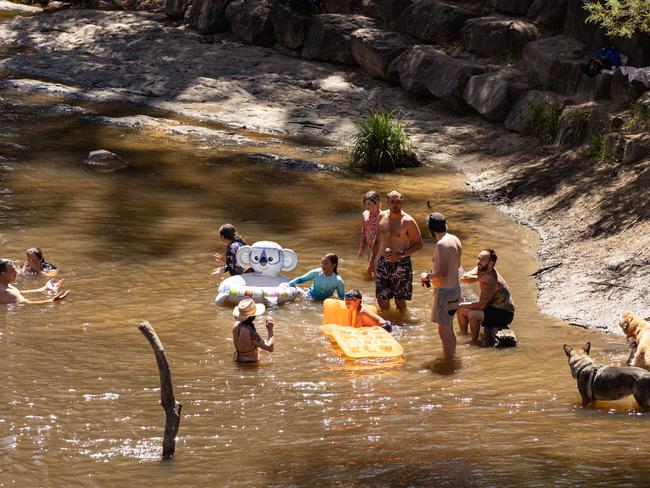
80, 386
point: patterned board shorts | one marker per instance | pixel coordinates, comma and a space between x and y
394, 279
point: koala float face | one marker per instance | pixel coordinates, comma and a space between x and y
267, 258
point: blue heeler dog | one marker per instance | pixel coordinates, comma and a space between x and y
596, 382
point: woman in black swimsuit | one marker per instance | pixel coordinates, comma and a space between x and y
247, 340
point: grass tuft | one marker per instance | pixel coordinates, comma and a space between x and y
381, 144
545, 120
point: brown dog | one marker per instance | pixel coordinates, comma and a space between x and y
596, 382
637, 331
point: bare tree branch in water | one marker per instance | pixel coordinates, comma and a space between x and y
169, 404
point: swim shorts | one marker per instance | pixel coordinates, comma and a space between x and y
445, 303
496, 317
394, 279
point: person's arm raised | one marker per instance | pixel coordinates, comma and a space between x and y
470, 277
268, 344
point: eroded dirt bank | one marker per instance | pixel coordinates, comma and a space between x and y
593, 218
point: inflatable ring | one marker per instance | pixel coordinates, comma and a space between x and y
263, 289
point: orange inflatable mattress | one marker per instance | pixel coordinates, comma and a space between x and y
363, 342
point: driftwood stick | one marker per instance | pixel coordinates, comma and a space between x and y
545, 269
169, 404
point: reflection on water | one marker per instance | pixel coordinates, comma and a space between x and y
80, 384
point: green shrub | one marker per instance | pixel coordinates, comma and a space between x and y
579, 121
640, 118
597, 149
620, 18
545, 120
381, 144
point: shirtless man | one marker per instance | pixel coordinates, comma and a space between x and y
398, 236
495, 307
247, 340
445, 280
10, 294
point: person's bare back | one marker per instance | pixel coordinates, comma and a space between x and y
446, 260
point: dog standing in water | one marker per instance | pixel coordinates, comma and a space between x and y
637, 331
596, 382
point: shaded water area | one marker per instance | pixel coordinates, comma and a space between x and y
80, 393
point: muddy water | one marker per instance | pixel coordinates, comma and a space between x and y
79, 391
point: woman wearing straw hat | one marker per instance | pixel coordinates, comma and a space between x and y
244, 335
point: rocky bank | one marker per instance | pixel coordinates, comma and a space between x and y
591, 214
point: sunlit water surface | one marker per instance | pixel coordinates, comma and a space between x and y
80, 386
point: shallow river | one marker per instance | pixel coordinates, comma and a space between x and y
80, 386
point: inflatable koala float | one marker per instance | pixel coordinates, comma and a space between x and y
265, 285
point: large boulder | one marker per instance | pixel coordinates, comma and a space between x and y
290, 27
434, 21
576, 25
250, 21
624, 91
557, 63
574, 122
375, 49
340, 6
515, 7
146, 5
330, 35
498, 36
637, 147
424, 69
388, 10
548, 14
176, 9
627, 148
494, 94
520, 118
595, 87
208, 16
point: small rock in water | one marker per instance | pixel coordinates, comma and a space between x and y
105, 161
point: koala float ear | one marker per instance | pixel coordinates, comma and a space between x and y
244, 255
567, 349
587, 347
289, 259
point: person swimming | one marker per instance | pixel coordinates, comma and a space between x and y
326, 279
36, 264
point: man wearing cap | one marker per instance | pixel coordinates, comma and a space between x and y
495, 307
398, 237
10, 294
444, 276
246, 339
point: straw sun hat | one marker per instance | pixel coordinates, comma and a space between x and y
248, 308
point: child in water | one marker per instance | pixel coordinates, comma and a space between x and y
232, 241
326, 279
369, 222
36, 264
365, 317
